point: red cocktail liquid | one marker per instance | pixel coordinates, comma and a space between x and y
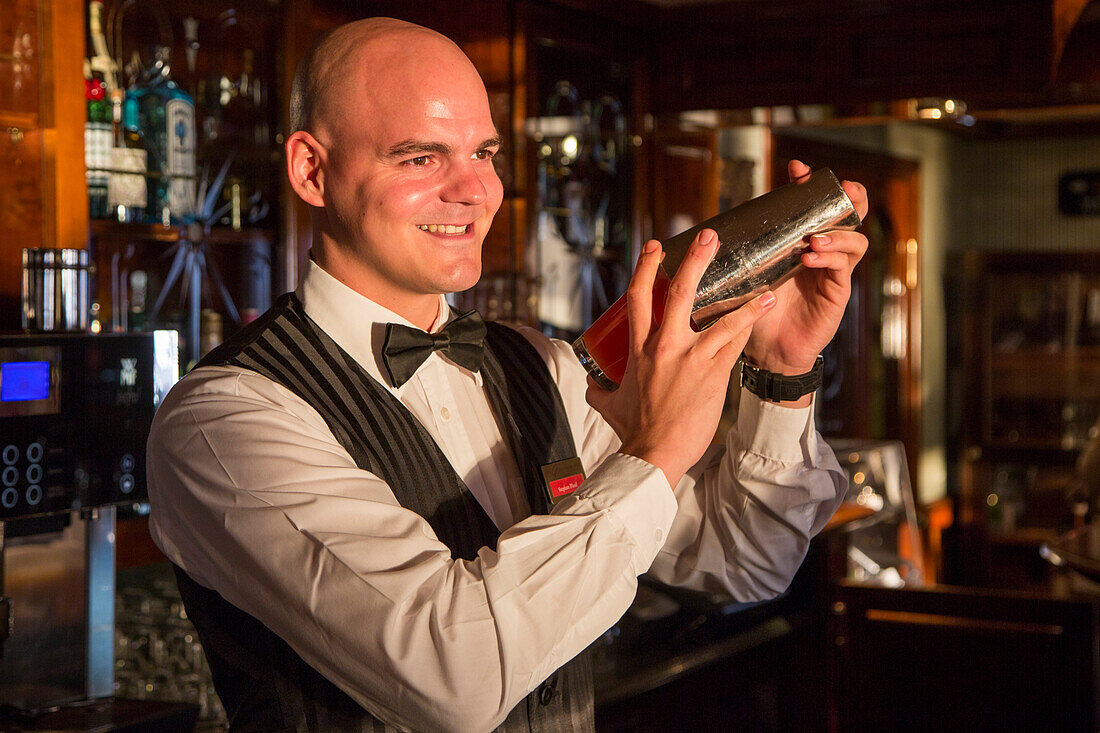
607, 341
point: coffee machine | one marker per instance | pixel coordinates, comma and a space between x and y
75, 413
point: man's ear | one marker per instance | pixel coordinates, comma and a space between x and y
305, 167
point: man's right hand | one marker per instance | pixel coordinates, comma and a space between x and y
668, 405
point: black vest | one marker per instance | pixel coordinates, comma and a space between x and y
263, 684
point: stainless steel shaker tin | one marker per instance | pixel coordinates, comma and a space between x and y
761, 242
56, 293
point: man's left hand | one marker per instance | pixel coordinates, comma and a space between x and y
788, 339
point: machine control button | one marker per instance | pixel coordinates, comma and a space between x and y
126, 483
8, 498
34, 495
9, 476
126, 463
10, 454
34, 473
34, 452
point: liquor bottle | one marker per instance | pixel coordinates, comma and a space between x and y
100, 63
99, 76
127, 191
166, 121
97, 146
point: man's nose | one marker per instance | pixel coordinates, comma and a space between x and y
465, 184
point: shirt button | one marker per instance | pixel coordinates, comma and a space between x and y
445, 413
659, 536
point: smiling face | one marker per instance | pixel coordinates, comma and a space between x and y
406, 173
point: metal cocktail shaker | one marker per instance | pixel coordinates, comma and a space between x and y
761, 242
760, 245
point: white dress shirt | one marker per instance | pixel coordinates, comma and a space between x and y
253, 496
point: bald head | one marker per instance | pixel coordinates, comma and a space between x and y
379, 45
392, 149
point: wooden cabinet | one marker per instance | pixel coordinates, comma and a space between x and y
20, 63
41, 154
215, 268
1029, 340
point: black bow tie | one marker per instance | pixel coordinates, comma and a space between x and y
405, 349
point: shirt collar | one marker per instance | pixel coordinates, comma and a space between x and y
356, 323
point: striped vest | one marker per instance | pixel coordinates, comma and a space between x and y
263, 684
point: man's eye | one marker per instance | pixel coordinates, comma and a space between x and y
421, 160
485, 154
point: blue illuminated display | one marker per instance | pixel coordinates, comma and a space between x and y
24, 380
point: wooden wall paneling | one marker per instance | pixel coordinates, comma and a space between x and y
614, 16
63, 142
525, 30
525, 108
735, 55
21, 213
521, 155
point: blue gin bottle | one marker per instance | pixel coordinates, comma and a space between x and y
166, 121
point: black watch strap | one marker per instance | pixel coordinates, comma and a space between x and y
778, 387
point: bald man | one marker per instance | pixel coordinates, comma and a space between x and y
366, 541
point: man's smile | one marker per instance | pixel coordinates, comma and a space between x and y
444, 228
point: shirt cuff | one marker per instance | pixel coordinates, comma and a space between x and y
634, 492
785, 434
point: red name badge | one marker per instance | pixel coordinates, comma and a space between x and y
562, 478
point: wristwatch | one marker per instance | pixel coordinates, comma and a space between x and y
779, 387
